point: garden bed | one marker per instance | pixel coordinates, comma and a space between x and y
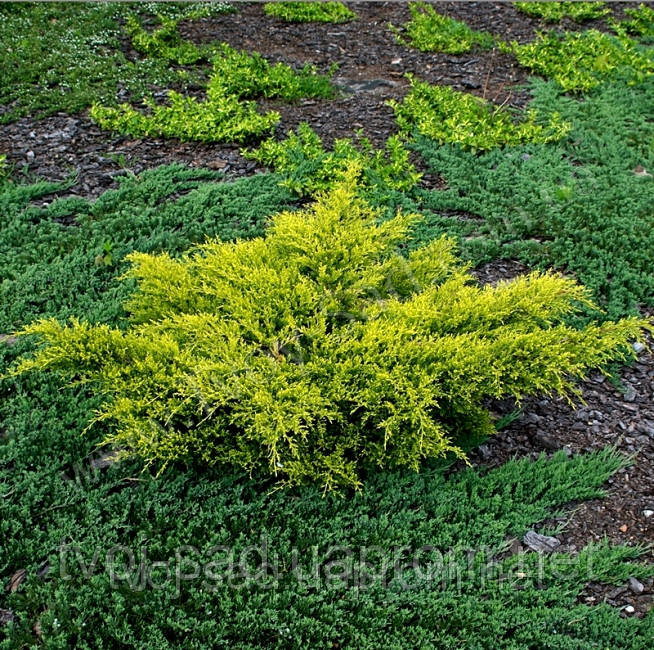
615, 410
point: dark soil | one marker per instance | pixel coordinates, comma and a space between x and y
615, 411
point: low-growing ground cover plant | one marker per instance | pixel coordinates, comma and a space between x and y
446, 115
553, 12
580, 61
65, 270
67, 56
307, 167
165, 42
583, 204
226, 115
279, 568
318, 351
640, 22
430, 31
310, 12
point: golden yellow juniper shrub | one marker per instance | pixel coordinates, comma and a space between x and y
318, 351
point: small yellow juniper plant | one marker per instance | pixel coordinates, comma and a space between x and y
227, 114
310, 12
553, 12
429, 31
446, 115
318, 352
579, 61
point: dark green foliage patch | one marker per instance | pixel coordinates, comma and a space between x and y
583, 205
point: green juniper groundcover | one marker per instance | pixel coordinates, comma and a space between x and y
89, 532
583, 204
96, 553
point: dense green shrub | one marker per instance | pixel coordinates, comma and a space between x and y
581, 60
578, 204
310, 12
553, 12
308, 168
224, 115
430, 31
318, 350
446, 115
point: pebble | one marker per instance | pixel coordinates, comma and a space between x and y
629, 609
638, 347
537, 542
545, 440
30, 156
648, 513
630, 393
636, 586
484, 451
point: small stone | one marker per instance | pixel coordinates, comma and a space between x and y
636, 586
623, 528
396, 61
629, 609
638, 347
30, 156
6, 616
648, 513
547, 442
639, 170
541, 543
630, 393
484, 451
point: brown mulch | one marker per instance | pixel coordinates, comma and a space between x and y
615, 411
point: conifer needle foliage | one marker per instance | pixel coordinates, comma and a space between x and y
580, 61
553, 12
429, 31
310, 12
317, 351
227, 114
445, 115
307, 167
640, 22
164, 42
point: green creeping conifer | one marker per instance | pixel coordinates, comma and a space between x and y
307, 167
164, 42
580, 61
310, 12
317, 351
